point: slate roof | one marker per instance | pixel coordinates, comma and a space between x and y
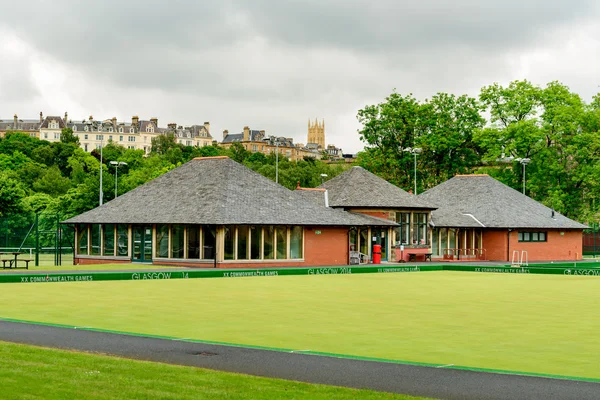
253, 136
315, 195
482, 201
218, 190
358, 187
46, 123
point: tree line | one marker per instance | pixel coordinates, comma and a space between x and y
552, 128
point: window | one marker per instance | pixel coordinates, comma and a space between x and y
45, 135
162, 241
95, 234
85, 136
209, 241
121, 130
74, 128
533, 237
110, 137
85, 129
149, 129
122, 240
269, 243
403, 231
130, 130
85, 147
56, 135
363, 234
420, 235
282, 240
120, 138
110, 129
243, 233
296, 239
82, 240
131, 139
131, 147
177, 241
109, 240
228, 249
193, 241
255, 242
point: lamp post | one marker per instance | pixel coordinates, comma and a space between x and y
323, 176
101, 146
414, 151
524, 162
117, 164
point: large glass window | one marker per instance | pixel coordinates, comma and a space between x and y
122, 240
269, 243
443, 240
162, 241
420, 235
177, 241
296, 240
96, 234
193, 241
109, 240
451, 238
229, 243
353, 239
364, 241
243, 233
403, 231
82, 239
209, 241
281, 243
255, 242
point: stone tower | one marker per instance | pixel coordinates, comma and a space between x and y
316, 133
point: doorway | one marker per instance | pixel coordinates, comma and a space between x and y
141, 243
379, 236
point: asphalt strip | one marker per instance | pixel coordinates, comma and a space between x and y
442, 383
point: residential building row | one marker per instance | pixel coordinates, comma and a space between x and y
138, 134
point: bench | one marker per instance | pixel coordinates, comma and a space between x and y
26, 261
12, 261
7, 260
413, 256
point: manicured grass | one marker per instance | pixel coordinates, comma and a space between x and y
32, 372
90, 267
520, 322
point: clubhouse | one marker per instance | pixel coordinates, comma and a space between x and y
215, 212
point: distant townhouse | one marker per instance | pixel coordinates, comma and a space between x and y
29, 126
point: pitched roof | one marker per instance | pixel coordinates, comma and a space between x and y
482, 201
218, 190
358, 187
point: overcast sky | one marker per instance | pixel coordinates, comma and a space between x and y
273, 64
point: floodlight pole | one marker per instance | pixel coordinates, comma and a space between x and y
277, 161
414, 151
101, 146
524, 162
117, 164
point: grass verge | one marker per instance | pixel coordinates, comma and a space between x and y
32, 372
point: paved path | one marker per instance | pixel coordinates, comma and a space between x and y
418, 381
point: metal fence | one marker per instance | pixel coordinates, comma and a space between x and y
38, 236
591, 240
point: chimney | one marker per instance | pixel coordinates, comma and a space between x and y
15, 121
246, 134
225, 133
262, 133
154, 121
66, 117
207, 127
135, 120
172, 125
41, 117
91, 118
114, 122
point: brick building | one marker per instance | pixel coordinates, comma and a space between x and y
480, 217
223, 215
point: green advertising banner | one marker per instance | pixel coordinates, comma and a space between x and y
581, 270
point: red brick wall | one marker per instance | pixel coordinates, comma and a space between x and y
567, 246
87, 261
495, 244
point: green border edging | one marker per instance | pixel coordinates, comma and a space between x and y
47, 277
312, 353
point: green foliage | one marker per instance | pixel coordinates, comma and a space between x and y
67, 136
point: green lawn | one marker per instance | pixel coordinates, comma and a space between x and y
28, 372
532, 323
